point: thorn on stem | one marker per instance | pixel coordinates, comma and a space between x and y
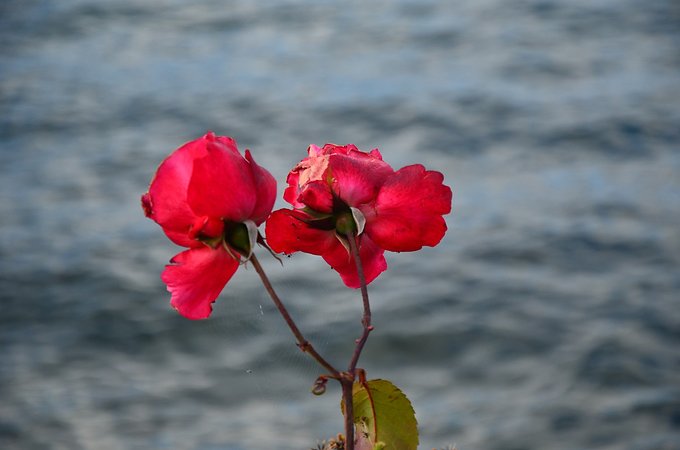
304, 346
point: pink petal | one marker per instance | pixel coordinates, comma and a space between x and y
292, 192
265, 188
318, 196
408, 210
372, 260
332, 149
354, 175
314, 150
357, 176
288, 233
166, 201
310, 169
222, 184
206, 227
195, 279
349, 149
182, 238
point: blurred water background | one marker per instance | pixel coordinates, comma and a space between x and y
548, 317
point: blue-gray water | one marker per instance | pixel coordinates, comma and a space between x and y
548, 317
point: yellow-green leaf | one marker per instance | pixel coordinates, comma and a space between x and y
383, 412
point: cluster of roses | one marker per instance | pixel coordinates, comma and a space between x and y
209, 198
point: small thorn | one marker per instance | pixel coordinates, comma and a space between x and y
304, 346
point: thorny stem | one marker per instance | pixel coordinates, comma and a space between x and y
303, 343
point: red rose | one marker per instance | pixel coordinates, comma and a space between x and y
340, 188
209, 198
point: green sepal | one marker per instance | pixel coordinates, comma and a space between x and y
242, 237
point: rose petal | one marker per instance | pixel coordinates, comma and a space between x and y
333, 149
206, 227
195, 279
222, 184
372, 261
355, 175
312, 169
408, 210
356, 179
182, 238
288, 233
349, 150
318, 196
166, 201
265, 188
314, 150
292, 192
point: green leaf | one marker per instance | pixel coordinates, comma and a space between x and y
383, 412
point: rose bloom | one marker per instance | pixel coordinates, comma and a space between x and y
209, 198
337, 189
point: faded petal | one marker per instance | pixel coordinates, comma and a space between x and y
195, 279
222, 184
349, 149
288, 232
265, 188
408, 210
310, 169
342, 261
354, 175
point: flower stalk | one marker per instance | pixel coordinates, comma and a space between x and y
366, 319
346, 379
303, 343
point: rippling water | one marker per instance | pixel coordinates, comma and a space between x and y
549, 316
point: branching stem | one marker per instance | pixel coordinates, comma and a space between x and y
303, 343
347, 378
